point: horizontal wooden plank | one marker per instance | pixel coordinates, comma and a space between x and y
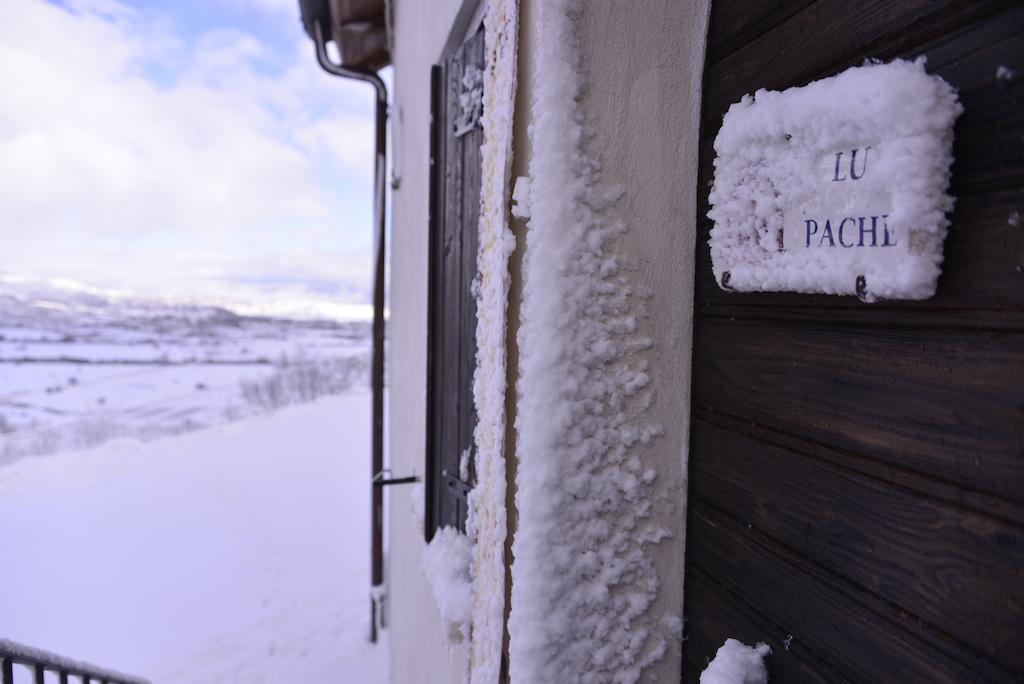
691, 673
713, 615
831, 35
866, 640
947, 404
989, 135
989, 145
960, 570
880, 314
953, 53
924, 484
734, 24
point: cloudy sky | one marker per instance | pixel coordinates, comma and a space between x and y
182, 149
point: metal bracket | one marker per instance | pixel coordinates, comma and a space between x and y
456, 487
861, 288
380, 479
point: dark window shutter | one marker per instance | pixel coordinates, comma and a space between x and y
456, 137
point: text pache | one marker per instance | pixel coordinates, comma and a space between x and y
864, 232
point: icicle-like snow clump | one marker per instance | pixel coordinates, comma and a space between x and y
737, 663
837, 187
583, 580
446, 565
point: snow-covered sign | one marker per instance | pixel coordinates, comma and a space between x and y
836, 187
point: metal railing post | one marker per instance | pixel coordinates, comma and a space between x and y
40, 662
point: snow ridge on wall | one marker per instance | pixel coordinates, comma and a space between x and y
486, 523
583, 580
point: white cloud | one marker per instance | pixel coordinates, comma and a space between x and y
114, 127
274, 6
86, 139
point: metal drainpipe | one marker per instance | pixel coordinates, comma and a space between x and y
377, 363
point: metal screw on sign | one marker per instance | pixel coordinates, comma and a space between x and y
862, 288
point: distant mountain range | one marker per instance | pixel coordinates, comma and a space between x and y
32, 303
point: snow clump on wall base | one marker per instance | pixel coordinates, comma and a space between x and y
836, 187
737, 663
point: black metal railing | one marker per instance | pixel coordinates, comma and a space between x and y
40, 662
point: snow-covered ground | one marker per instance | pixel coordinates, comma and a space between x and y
229, 554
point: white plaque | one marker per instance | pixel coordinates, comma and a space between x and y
837, 187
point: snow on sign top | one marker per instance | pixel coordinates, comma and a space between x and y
836, 187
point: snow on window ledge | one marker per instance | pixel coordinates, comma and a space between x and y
446, 565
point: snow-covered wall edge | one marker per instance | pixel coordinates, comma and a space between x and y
585, 588
486, 523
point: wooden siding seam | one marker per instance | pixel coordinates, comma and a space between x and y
735, 41
763, 434
1003, 318
925, 30
762, 312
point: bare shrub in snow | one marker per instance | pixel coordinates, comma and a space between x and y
295, 382
79, 434
299, 382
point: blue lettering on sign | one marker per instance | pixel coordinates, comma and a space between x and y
862, 231
864, 227
809, 223
849, 231
853, 164
827, 233
842, 225
885, 231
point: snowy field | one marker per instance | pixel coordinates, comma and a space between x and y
184, 491
78, 369
232, 554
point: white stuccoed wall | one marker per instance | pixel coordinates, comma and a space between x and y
645, 71
418, 652
643, 65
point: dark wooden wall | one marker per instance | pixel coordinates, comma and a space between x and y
456, 168
856, 470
